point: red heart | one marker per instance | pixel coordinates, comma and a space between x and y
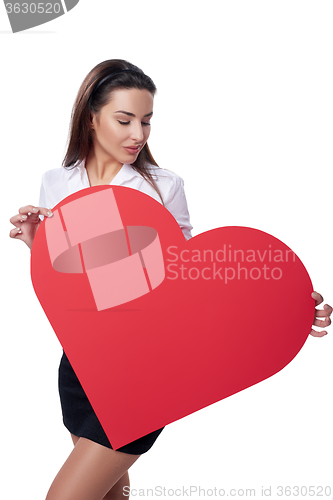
209, 330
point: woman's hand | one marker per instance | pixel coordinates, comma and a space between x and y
26, 223
321, 313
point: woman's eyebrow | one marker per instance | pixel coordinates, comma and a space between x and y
131, 114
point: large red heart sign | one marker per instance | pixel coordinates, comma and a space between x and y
156, 327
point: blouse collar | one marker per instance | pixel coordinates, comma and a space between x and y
125, 173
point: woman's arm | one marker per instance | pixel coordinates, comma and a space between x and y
176, 203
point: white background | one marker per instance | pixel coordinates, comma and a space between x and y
244, 114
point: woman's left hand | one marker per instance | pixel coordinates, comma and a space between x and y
321, 313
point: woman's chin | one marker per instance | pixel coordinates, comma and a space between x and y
130, 158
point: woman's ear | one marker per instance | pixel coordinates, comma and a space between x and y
92, 121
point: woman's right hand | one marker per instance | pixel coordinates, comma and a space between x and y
26, 223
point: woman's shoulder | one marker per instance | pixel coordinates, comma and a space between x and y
168, 182
57, 183
166, 179
163, 173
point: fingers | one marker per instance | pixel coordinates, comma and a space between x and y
29, 212
328, 309
314, 333
26, 223
321, 313
326, 322
18, 218
317, 297
15, 232
30, 209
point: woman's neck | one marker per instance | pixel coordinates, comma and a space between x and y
101, 170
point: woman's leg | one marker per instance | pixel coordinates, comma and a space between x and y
117, 490
89, 473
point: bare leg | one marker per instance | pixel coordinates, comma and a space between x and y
89, 473
117, 491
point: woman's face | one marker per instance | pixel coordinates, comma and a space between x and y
122, 127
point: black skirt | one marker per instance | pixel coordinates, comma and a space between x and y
81, 420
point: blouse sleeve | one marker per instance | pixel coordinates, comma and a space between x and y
42, 196
177, 205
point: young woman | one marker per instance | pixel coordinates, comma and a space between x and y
109, 130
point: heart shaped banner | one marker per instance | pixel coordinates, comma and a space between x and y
157, 327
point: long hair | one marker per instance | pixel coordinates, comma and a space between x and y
94, 93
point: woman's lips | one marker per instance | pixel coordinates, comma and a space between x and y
132, 151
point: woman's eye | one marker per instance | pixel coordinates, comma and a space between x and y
127, 123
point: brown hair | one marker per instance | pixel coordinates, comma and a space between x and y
95, 93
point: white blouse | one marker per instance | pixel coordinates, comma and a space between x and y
59, 183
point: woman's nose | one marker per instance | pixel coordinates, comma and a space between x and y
137, 132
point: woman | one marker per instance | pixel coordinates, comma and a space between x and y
108, 145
